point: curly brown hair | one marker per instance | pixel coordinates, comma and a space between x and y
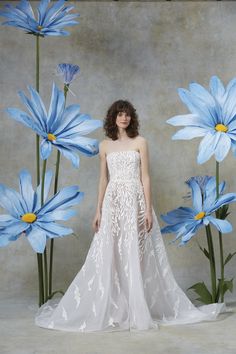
110, 127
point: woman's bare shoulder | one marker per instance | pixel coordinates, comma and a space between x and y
141, 141
103, 145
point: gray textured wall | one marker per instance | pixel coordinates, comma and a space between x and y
142, 51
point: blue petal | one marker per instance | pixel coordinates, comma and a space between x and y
186, 120
54, 10
37, 239
210, 193
189, 133
223, 200
196, 196
207, 146
54, 230
26, 189
12, 201
178, 215
70, 114
197, 106
202, 94
231, 83
191, 232
42, 10
70, 155
229, 107
23, 118
33, 109
58, 215
56, 33
37, 102
56, 106
83, 128
6, 218
4, 240
45, 149
87, 146
222, 225
222, 148
26, 8
217, 89
172, 228
16, 228
47, 184
67, 194
209, 101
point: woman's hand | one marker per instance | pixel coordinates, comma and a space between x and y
148, 220
97, 221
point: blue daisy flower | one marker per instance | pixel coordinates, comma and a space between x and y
49, 22
63, 128
213, 117
27, 216
185, 221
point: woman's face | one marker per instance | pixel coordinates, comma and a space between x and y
123, 120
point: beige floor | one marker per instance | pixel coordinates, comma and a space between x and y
19, 335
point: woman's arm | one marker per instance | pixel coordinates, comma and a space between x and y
103, 181
145, 178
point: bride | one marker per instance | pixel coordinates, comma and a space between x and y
126, 282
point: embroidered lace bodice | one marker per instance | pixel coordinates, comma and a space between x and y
126, 281
124, 165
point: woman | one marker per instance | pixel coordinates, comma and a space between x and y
126, 281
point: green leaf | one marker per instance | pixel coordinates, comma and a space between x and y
223, 212
228, 258
204, 251
204, 295
228, 285
75, 235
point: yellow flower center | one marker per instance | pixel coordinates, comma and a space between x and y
29, 217
40, 27
200, 215
51, 137
221, 128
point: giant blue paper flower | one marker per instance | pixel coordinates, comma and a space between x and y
185, 221
50, 20
61, 127
213, 117
27, 216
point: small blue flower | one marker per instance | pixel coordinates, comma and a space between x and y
50, 21
68, 72
213, 117
61, 127
202, 181
185, 221
26, 215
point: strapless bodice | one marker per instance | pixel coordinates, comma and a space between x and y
124, 165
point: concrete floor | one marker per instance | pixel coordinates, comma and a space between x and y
19, 335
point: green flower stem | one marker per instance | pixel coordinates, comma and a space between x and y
45, 251
52, 240
45, 275
37, 88
212, 262
50, 267
40, 278
222, 276
66, 88
39, 255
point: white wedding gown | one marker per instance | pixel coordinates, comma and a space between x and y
126, 282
